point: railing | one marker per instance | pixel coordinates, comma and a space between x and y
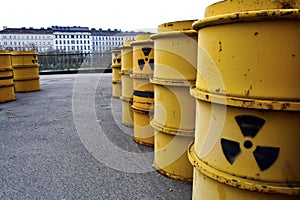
70, 61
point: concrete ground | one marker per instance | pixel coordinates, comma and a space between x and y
67, 142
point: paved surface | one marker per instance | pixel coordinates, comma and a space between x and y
67, 142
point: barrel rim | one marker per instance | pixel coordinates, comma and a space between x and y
128, 99
248, 16
171, 34
140, 75
21, 53
263, 104
141, 42
239, 182
172, 131
172, 82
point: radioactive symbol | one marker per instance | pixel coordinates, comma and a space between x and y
142, 62
265, 156
116, 60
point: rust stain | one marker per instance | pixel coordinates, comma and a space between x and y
220, 46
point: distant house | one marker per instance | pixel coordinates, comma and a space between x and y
76, 39
19, 39
63, 39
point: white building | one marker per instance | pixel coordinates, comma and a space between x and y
106, 40
21, 39
63, 39
76, 38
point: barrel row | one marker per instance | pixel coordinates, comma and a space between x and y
18, 73
222, 99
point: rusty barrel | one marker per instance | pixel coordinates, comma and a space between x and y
175, 53
143, 91
127, 83
116, 69
247, 101
7, 92
26, 71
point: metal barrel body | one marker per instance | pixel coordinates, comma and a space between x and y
127, 83
26, 71
175, 47
247, 102
116, 75
7, 92
143, 95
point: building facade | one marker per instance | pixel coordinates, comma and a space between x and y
75, 39
63, 39
21, 39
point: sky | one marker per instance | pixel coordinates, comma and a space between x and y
130, 15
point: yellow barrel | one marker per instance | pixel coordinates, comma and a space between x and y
247, 107
5, 59
7, 92
175, 53
175, 56
269, 41
143, 95
127, 83
116, 75
126, 56
26, 71
116, 58
126, 97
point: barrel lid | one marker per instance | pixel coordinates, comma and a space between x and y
176, 26
232, 6
170, 34
126, 44
249, 16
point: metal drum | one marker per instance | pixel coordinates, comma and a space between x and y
247, 101
7, 92
143, 95
175, 53
26, 71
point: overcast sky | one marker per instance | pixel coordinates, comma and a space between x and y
114, 14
